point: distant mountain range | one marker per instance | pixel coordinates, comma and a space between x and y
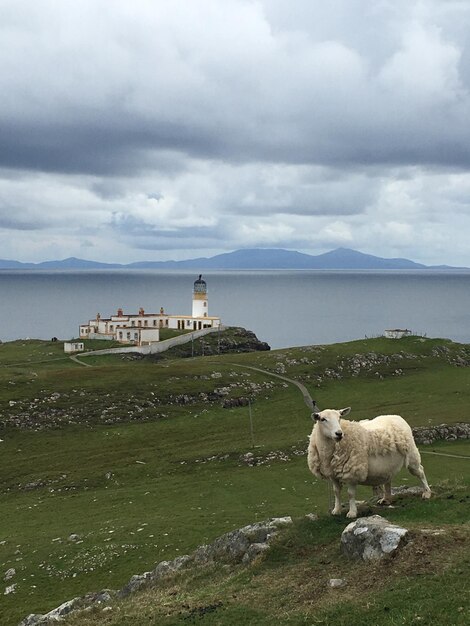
257, 258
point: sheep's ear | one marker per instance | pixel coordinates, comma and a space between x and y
315, 417
345, 411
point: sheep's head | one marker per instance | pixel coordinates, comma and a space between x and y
329, 422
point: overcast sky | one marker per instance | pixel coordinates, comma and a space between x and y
158, 129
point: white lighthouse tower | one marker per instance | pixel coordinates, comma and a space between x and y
200, 308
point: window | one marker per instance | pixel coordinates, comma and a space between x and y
205, 303
128, 335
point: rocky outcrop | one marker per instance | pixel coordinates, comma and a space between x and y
372, 538
232, 340
68, 607
238, 546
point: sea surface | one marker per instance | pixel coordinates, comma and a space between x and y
284, 308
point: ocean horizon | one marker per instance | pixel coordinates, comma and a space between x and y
283, 307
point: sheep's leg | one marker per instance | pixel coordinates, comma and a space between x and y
387, 494
378, 491
352, 513
337, 490
415, 468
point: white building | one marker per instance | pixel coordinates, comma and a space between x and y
396, 333
73, 346
144, 328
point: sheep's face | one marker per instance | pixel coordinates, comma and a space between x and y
329, 422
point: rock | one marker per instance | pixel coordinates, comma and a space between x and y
233, 546
135, 583
248, 458
10, 589
230, 403
64, 609
102, 597
371, 538
9, 574
79, 603
448, 432
73, 537
230, 547
164, 569
337, 583
254, 551
32, 620
313, 517
404, 490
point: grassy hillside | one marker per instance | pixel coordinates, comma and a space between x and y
139, 458
422, 584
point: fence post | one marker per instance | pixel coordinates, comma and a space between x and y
251, 425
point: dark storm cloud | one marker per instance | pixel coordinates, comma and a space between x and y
324, 97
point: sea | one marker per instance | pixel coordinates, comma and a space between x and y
283, 307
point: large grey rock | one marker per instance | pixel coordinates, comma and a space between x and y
372, 538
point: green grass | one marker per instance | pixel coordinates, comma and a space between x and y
424, 583
169, 333
164, 476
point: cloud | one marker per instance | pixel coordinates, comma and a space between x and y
181, 126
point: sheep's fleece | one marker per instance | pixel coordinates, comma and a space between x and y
369, 452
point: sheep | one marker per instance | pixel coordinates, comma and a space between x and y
369, 452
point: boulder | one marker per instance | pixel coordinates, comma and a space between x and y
372, 538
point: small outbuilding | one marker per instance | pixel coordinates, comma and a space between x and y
397, 333
73, 346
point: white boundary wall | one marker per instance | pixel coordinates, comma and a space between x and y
156, 347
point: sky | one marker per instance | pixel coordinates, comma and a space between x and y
172, 129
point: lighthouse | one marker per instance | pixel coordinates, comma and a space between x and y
200, 308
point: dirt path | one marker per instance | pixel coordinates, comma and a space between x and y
309, 401
454, 456
74, 358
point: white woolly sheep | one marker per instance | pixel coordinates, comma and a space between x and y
369, 452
